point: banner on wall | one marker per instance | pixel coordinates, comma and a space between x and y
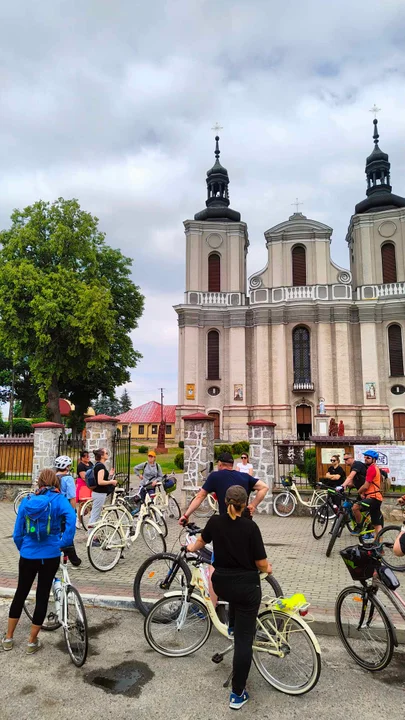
389, 456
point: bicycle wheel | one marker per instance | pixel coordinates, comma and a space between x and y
336, 530
204, 510
85, 513
51, 621
104, 546
284, 504
387, 537
158, 517
320, 521
285, 652
119, 514
75, 630
372, 644
18, 500
171, 634
153, 537
158, 569
173, 508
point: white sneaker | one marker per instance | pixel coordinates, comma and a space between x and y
78, 525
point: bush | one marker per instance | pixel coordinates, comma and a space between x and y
240, 447
310, 465
38, 420
22, 426
181, 444
143, 449
218, 449
179, 460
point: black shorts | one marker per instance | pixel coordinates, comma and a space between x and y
375, 509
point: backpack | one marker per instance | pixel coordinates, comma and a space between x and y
40, 526
157, 466
90, 478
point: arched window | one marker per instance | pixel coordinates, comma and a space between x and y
213, 355
299, 266
395, 350
389, 263
399, 426
214, 273
301, 358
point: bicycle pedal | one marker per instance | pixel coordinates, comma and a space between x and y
217, 658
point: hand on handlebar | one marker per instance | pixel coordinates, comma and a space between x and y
183, 520
401, 500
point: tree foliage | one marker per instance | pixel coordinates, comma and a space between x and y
105, 405
125, 402
67, 303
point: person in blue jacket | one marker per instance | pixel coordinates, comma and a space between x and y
38, 536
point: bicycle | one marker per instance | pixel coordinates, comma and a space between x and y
21, 496
108, 539
164, 500
86, 508
363, 624
285, 650
285, 502
68, 612
344, 518
163, 572
388, 535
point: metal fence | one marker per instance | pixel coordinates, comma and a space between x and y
16, 458
295, 458
121, 460
72, 447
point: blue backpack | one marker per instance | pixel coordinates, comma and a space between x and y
38, 522
90, 478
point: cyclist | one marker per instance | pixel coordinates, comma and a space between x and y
219, 481
83, 492
239, 555
335, 475
63, 463
38, 536
149, 472
357, 475
370, 492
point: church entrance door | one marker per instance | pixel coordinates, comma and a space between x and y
216, 416
304, 422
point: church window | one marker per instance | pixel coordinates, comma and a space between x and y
399, 426
395, 350
299, 266
213, 355
214, 273
389, 265
301, 355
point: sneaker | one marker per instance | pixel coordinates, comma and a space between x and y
231, 632
237, 701
76, 562
33, 647
356, 530
7, 643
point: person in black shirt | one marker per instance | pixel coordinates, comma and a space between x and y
239, 554
83, 493
105, 485
335, 475
358, 470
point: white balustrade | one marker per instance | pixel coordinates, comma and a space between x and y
229, 299
387, 290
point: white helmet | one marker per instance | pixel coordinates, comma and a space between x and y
63, 462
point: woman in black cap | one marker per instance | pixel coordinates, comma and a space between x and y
239, 557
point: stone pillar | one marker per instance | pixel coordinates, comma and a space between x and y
100, 432
261, 455
198, 453
46, 445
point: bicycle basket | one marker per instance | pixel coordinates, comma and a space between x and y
286, 482
169, 484
360, 562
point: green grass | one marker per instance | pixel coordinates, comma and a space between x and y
166, 462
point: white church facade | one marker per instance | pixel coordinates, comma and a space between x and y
302, 331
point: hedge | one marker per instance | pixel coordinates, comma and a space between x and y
179, 460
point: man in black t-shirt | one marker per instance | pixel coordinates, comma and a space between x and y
358, 470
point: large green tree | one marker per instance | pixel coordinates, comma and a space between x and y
67, 303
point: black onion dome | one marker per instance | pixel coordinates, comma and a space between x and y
217, 201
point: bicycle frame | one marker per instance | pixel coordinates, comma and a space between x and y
311, 503
121, 527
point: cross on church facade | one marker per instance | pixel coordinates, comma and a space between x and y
297, 204
217, 127
375, 110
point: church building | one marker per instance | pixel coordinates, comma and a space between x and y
303, 335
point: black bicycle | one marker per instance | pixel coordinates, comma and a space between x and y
166, 572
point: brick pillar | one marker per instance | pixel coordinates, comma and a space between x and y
261, 455
100, 431
46, 444
198, 452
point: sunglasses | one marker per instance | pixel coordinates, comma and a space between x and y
244, 457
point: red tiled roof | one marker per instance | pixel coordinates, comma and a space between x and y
149, 413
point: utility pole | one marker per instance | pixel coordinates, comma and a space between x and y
161, 445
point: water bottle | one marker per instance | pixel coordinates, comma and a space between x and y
57, 588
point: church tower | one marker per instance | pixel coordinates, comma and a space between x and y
212, 319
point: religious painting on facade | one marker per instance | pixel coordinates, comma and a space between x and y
238, 392
370, 391
190, 391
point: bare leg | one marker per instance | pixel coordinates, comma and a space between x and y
357, 513
213, 595
11, 626
34, 633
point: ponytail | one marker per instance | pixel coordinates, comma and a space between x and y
233, 509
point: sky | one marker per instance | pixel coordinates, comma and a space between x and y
113, 104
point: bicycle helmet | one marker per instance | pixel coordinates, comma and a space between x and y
63, 462
371, 453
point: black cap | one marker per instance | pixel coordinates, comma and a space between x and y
226, 457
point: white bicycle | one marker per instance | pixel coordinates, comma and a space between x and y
284, 503
66, 611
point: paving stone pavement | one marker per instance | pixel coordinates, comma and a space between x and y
299, 561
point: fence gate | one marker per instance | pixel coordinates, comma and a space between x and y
122, 459
72, 447
292, 458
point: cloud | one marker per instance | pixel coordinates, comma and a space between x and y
113, 104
